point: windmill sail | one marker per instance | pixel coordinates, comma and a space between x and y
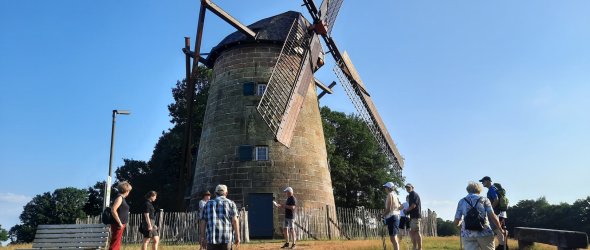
289, 82
356, 91
329, 11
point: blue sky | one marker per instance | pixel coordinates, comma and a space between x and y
466, 88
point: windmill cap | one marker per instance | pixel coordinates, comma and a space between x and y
288, 189
388, 185
485, 178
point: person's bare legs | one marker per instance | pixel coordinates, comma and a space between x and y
395, 242
155, 242
286, 234
145, 243
419, 240
293, 236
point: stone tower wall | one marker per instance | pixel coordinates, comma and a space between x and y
231, 120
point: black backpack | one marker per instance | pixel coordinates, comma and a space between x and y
474, 220
107, 216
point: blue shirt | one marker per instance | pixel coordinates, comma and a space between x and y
484, 206
492, 193
218, 215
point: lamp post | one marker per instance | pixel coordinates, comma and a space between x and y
107, 191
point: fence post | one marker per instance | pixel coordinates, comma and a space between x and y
328, 222
364, 217
160, 222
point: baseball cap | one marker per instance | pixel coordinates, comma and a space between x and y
409, 185
485, 178
288, 189
388, 185
220, 188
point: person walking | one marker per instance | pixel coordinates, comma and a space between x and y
391, 213
404, 219
205, 197
288, 228
476, 212
415, 217
148, 218
220, 217
120, 210
492, 195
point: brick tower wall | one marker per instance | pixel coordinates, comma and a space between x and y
231, 120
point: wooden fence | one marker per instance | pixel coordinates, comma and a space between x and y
320, 223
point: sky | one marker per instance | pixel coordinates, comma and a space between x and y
465, 88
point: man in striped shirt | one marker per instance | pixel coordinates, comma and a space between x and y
220, 218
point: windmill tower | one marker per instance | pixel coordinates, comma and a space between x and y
262, 129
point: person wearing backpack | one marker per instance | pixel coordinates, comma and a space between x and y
497, 196
476, 212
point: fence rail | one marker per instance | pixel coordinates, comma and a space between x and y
319, 223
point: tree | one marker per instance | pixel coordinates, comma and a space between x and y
3, 235
357, 165
95, 201
539, 213
139, 174
446, 228
63, 206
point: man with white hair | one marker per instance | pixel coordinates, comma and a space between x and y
289, 217
220, 217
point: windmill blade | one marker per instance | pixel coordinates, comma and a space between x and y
289, 82
364, 105
328, 12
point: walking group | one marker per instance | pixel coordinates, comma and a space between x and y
120, 217
482, 219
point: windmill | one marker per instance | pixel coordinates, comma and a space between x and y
262, 129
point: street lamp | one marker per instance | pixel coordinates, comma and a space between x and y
107, 191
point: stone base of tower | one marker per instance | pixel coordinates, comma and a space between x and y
235, 141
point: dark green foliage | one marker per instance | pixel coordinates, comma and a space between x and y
446, 228
139, 175
357, 166
539, 213
3, 234
63, 206
95, 199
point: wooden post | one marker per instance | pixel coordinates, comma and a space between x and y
160, 222
364, 217
328, 222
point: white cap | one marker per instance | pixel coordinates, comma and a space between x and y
389, 185
288, 189
220, 188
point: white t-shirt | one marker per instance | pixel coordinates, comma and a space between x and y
392, 199
406, 205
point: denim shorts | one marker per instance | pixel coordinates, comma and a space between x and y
392, 224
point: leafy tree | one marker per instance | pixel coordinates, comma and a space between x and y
95, 199
3, 235
138, 173
167, 156
539, 213
446, 228
357, 165
63, 206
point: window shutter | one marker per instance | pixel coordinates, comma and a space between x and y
249, 88
245, 152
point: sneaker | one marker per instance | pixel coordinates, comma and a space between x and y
293, 246
286, 245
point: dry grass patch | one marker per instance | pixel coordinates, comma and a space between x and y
376, 244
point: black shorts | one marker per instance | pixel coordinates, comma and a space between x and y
404, 222
148, 234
